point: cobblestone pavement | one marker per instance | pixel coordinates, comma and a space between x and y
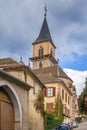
82, 126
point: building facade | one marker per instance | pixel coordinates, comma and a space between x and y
19, 88
47, 68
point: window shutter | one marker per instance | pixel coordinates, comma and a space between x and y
53, 91
44, 91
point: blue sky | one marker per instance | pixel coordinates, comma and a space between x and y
20, 23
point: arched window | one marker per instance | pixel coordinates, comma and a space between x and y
40, 65
41, 52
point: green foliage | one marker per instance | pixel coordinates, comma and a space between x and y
58, 109
52, 121
39, 102
81, 103
81, 100
60, 114
78, 119
56, 118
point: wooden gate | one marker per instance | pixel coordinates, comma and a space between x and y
6, 111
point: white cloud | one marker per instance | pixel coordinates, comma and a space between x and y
73, 38
21, 20
78, 77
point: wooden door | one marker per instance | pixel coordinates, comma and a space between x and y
6, 112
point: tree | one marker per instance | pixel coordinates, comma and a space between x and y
81, 100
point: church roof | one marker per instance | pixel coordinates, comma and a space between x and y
55, 71
8, 62
44, 34
48, 78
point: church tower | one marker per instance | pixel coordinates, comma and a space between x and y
43, 48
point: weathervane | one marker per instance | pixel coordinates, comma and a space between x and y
45, 8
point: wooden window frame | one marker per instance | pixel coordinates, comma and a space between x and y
63, 94
51, 92
66, 97
68, 100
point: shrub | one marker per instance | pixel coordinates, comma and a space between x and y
78, 119
52, 121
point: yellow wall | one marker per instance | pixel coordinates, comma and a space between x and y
51, 99
46, 46
58, 89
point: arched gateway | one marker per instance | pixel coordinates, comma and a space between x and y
10, 109
6, 111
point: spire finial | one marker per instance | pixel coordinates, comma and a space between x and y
45, 8
21, 61
29, 63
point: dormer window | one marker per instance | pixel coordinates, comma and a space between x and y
40, 52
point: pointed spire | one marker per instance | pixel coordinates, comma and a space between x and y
44, 34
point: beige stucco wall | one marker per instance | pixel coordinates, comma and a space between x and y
46, 46
17, 74
21, 76
45, 63
34, 119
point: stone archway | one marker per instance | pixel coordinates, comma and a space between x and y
13, 97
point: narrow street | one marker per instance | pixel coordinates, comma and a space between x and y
82, 126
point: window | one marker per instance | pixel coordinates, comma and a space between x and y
49, 92
65, 97
62, 93
40, 65
49, 107
41, 52
35, 90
